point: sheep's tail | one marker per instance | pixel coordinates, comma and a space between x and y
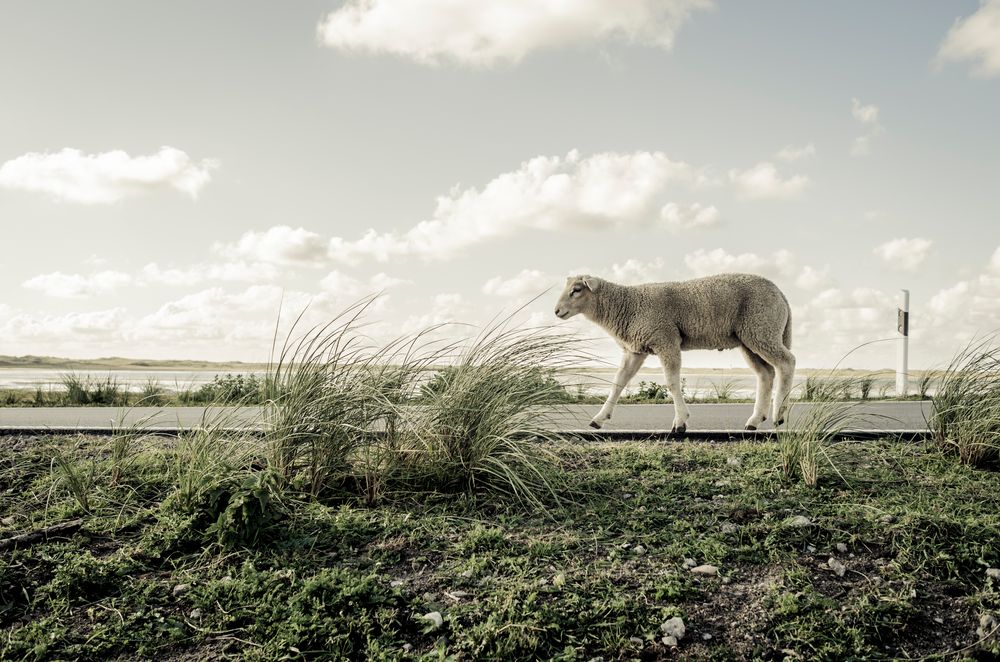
786, 337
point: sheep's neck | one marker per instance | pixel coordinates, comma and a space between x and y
614, 310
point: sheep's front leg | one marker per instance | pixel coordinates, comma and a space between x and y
672, 372
631, 362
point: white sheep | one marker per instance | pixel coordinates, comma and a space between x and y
715, 312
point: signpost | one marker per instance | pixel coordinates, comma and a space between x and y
902, 355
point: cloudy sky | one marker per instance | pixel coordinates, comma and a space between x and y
171, 172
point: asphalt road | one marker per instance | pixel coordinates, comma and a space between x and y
911, 415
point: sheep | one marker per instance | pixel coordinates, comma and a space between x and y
724, 311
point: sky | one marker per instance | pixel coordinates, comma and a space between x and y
172, 175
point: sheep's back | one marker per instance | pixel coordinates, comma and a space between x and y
713, 312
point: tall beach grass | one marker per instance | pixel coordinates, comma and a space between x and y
966, 416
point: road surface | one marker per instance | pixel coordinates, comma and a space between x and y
886, 415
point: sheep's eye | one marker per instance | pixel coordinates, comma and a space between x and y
576, 290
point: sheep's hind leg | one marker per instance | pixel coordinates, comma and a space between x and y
672, 373
765, 383
784, 365
631, 362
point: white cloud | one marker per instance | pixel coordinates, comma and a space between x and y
782, 266
216, 315
100, 325
107, 177
810, 278
868, 116
77, 286
764, 181
527, 284
442, 309
632, 272
689, 217
280, 244
903, 253
864, 114
484, 32
605, 190
705, 263
235, 271
795, 153
976, 39
347, 286
95, 261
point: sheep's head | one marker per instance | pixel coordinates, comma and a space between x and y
578, 297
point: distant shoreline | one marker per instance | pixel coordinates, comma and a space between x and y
119, 363
148, 365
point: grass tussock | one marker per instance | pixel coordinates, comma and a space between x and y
480, 428
805, 445
349, 417
966, 418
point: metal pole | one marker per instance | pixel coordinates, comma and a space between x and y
902, 354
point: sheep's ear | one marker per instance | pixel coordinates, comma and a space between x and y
591, 283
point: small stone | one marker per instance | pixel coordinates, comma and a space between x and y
706, 569
639, 550
729, 527
559, 580
596, 659
993, 573
811, 549
669, 641
733, 461
435, 619
226, 579
396, 583
7, 521
706, 636
689, 563
838, 568
939, 620
407, 648
841, 547
726, 580
799, 521
195, 614
181, 589
627, 495
673, 628
636, 641
458, 595
467, 573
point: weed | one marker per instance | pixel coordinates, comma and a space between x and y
865, 386
966, 418
724, 389
925, 383
77, 477
481, 430
802, 447
152, 394
87, 391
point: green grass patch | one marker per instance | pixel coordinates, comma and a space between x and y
233, 565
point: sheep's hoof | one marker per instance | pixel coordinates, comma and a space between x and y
679, 429
595, 425
750, 427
